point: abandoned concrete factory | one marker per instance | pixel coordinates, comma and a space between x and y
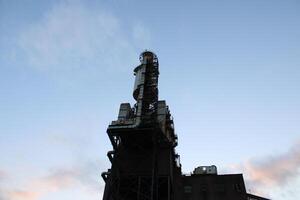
145, 165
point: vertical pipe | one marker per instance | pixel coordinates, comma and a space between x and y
139, 188
169, 189
154, 186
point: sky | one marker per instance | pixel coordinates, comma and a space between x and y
229, 71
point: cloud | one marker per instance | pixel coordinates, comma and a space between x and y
22, 195
3, 175
80, 177
84, 175
272, 171
73, 35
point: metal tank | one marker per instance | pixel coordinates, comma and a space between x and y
147, 58
145, 90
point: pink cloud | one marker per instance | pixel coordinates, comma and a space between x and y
271, 171
22, 195
275, 170
57, 180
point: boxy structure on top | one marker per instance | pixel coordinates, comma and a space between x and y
145, 165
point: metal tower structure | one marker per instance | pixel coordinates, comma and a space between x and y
144, 162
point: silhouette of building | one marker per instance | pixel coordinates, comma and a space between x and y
145, 165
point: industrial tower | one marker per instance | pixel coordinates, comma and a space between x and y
145, 165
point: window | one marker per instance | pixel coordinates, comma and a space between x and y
188, 189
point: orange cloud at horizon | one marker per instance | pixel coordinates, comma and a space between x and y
273, 171
56, 180
23, 195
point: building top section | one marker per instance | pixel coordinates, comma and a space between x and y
254, 197
205, 170
148, 57
147, 111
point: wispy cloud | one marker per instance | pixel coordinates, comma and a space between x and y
265, 174
83, 177
73, 35
22, 195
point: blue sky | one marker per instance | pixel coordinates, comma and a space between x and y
229, 70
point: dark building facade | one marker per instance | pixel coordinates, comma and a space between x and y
145, 165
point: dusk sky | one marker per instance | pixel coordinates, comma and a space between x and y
229, 71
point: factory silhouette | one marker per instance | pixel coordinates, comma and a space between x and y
145, 165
